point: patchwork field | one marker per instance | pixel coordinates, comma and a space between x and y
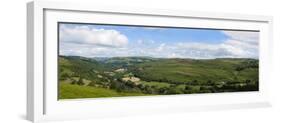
81, 77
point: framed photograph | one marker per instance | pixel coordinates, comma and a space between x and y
95, 61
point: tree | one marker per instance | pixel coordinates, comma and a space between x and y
113, 85
92, 83
130, 75
203, 88
174, 90
188, 87
194, 82
73, 81
64, 76
163, 90
140, 86
130, 84
148, 89
248, 81
209, 82
80, 81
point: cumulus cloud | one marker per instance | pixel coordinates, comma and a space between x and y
250, 37
93, 42
92, 36
90, 42
86, 50
228, 49
239, 44
243, 43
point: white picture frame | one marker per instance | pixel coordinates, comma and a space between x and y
42, 103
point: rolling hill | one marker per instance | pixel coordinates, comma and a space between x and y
147, 75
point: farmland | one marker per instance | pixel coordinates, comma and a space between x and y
82, 77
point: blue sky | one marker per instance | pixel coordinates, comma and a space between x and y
92, 40
172, 35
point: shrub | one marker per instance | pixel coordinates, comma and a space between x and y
80, 81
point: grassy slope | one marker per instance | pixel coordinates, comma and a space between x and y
171, 69
68, 91
201, 70
76, 66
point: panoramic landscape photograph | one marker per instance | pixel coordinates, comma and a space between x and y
102, 60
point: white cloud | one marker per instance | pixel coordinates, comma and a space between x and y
90, 42
228, 49
161, 47
243, 43
240, 44
92, 36
249, 37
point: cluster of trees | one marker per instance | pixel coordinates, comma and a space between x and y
79, 82
86, 69
247, 86
115, 82
247, 64
125, 86
64, 76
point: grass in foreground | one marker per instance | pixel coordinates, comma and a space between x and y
69, 91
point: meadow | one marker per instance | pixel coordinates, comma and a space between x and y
82, 77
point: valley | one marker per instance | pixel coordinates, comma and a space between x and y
82, 77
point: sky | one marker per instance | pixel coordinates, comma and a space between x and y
95, 40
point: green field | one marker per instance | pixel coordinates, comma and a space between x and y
69, 91
81, 77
